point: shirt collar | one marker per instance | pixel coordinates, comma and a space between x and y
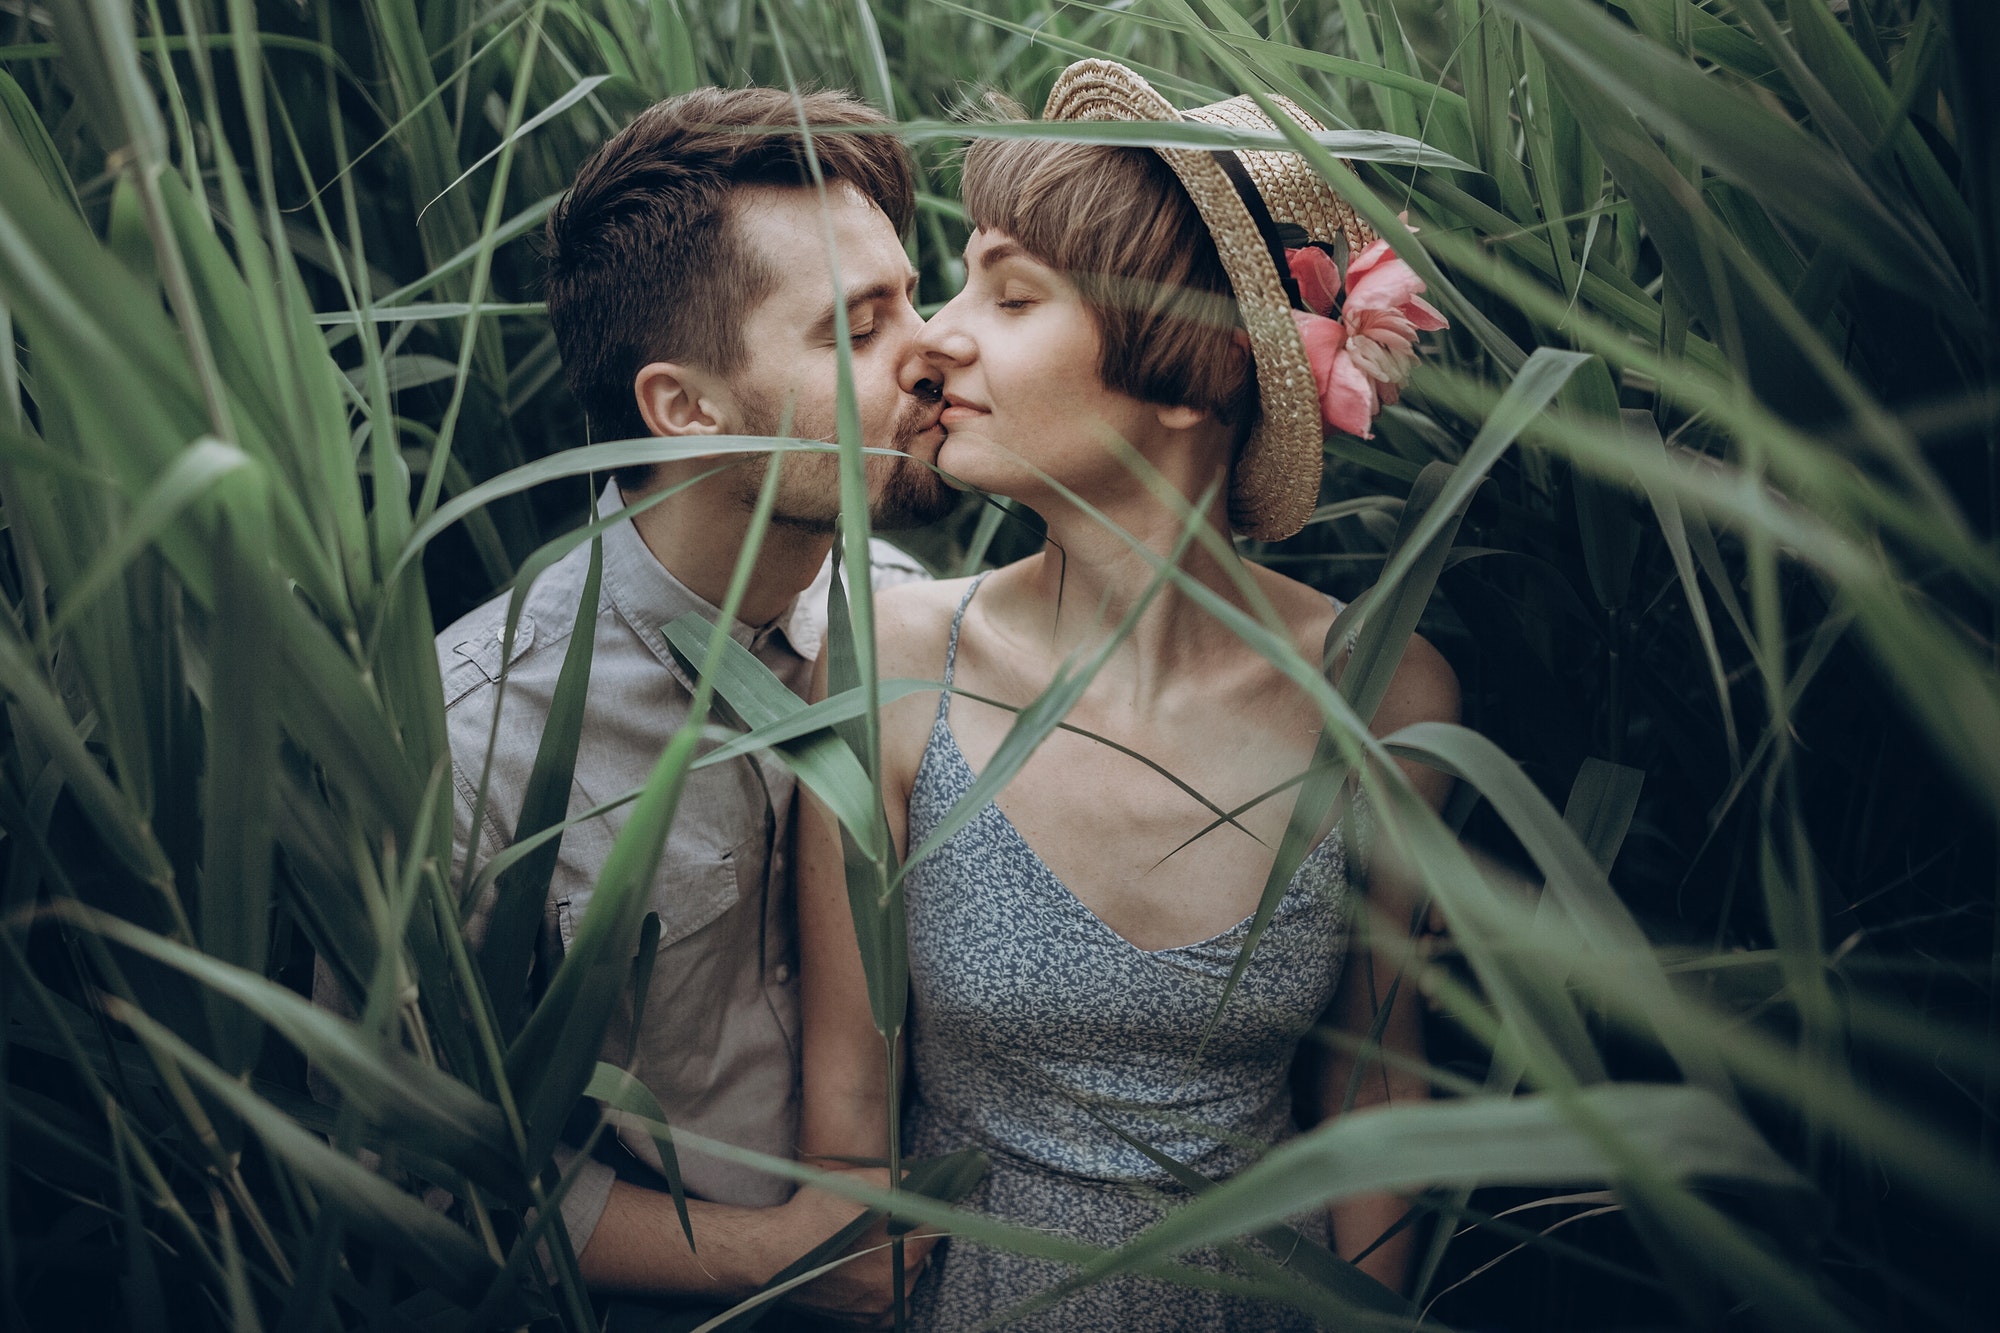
648, 597
805, 623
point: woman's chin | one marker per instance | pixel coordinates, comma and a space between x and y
979, 464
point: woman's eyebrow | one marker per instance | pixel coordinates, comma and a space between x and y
996, 253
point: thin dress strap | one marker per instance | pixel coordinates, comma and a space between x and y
951, 646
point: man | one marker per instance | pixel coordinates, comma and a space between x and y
691, 292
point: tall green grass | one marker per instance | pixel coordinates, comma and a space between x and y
1699, 497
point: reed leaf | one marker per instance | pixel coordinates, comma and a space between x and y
271, 410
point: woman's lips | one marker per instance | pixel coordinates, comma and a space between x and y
955, 413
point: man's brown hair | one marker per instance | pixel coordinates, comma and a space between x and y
644, 259
1117, 223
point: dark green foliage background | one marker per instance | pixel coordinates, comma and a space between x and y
1806, 686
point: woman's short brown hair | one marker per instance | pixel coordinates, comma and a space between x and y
1117, 223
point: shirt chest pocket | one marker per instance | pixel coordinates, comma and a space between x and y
694, 887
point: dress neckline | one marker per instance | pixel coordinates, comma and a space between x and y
941, 728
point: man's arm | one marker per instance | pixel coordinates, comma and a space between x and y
638, 1248
629, 1240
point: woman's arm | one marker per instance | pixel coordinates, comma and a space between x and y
1424, 689
844, 1070
845, 1109
844, 1073
1358, 1222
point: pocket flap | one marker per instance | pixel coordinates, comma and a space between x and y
693, 887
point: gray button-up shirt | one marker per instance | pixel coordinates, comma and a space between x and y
719, 1042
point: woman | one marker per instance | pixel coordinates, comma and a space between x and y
1069, 945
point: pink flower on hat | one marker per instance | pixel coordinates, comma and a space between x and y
1362, 359
1317, 276
1347, 399
1378, 280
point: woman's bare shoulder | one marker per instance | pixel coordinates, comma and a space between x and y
1424, 689
1309, 612
913, 622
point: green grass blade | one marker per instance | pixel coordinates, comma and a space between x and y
676, 47
617, 1088
1034, 723
1576, 881
243, 732
142, 1272
1423, 540
38, 712
389, 1089
580, 90
578, 462
1680, 530
552, 1060
1350, 1286
425, 1242
1601, 803
34, 137
1547, 1140
1752, 146
192, 477
822, 761
1360, 145
509, 946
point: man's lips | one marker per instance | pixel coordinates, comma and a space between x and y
930, 421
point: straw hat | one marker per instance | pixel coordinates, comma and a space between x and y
1245, 197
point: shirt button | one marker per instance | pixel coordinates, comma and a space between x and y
782, 973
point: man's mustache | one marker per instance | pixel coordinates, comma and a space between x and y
921, 415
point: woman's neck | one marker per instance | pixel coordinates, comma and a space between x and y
1089, 578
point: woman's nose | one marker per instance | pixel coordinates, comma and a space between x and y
938, 347
944, 341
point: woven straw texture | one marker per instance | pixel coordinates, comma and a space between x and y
1275, 484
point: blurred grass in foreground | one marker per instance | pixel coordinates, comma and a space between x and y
1699, 497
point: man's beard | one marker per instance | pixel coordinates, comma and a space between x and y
912, 495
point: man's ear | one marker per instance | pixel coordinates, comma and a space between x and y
1183, 417
681, 400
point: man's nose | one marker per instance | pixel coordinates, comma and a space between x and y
917, 376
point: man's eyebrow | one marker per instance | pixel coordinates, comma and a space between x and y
878, 291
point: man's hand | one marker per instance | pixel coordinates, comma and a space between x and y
861, 1290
